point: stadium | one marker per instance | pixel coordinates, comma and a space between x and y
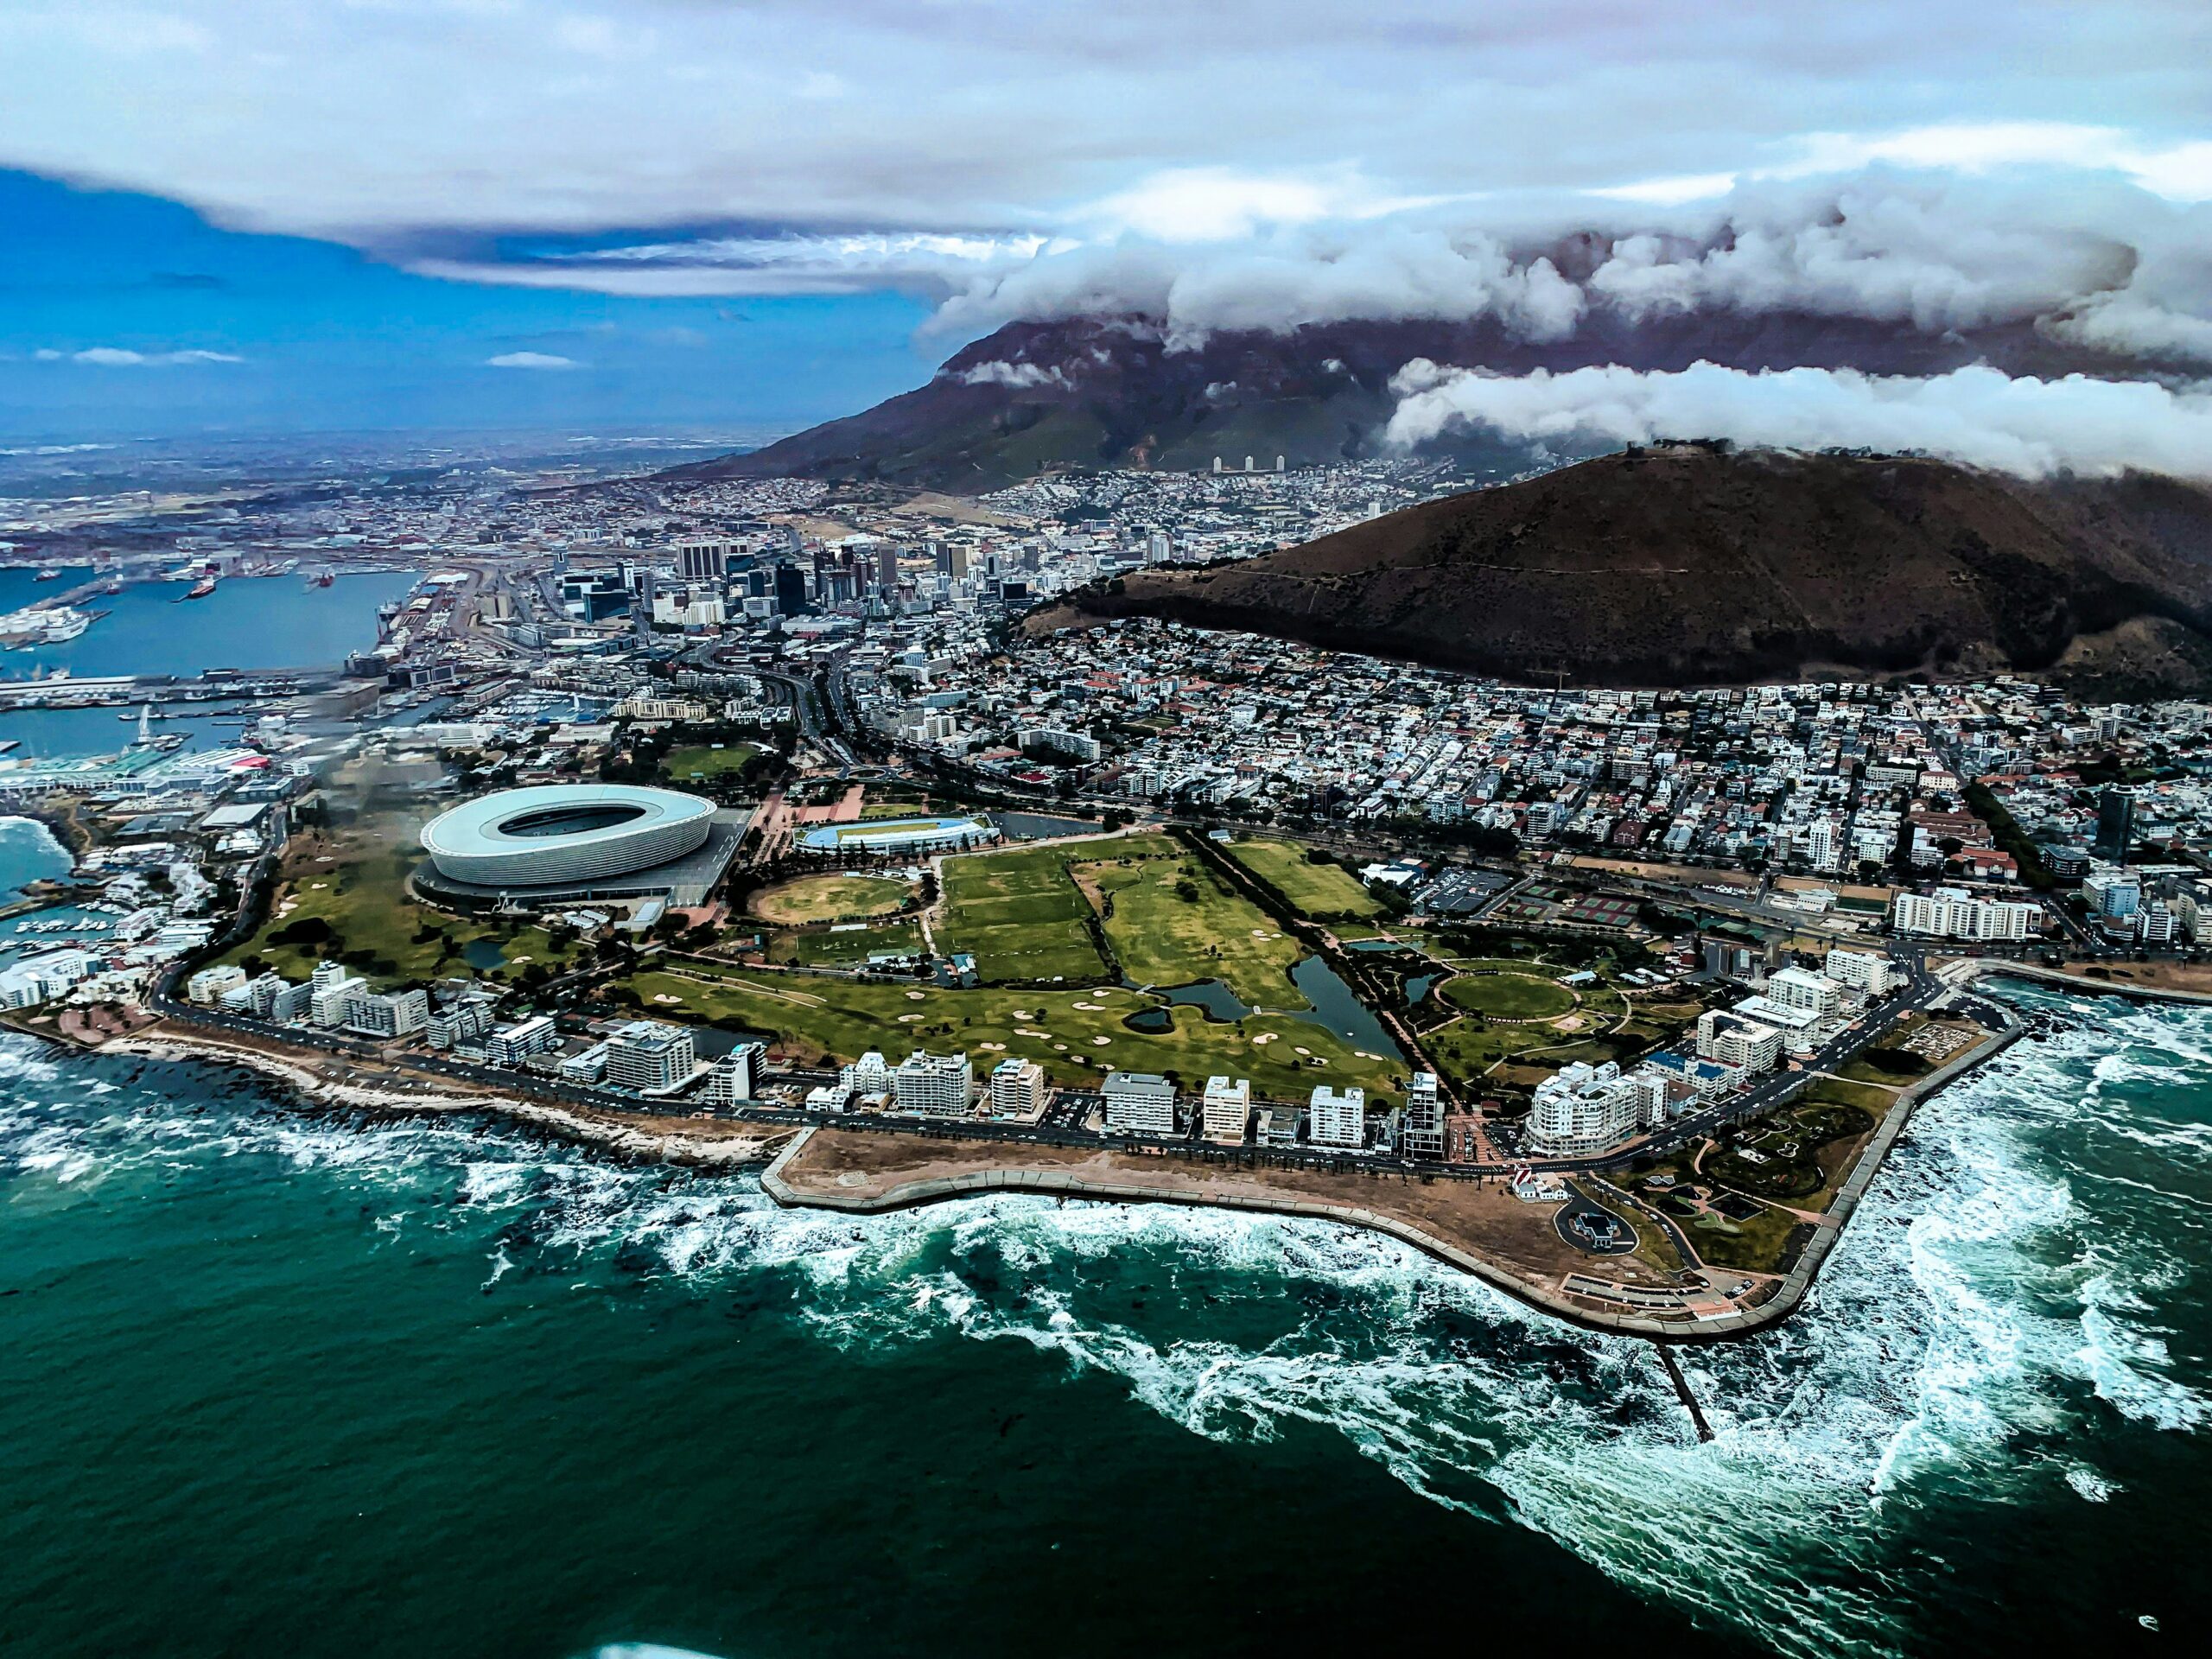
901, 838
580, 841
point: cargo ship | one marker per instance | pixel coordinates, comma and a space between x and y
201, 589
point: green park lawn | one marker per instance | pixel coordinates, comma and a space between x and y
1322, 892
701, 761
1505, 995
354, 880
829, 898
834, 1019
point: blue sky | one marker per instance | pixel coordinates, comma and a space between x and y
238, 331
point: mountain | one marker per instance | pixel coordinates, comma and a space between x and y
1689, 563
1095, 393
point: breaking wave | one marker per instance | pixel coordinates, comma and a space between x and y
2005, 1283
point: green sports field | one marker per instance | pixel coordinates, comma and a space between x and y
829, 899
818, 1018
700, 761
1322, 892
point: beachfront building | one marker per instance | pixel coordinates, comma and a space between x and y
1335, 1119
1861, 970
1138, 1102
327, 1001
206, 987
650, 1056
1421, 1128
1731, 1039
1954, 913
513, 1045
934, 1085
735, 1076
1017, 1089
1226, 1109
391, 1013
1582, 1108
866, 1080
1808, 993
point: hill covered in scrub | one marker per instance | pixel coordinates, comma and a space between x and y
1690, 563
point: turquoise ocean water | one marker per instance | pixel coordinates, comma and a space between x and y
276, 1384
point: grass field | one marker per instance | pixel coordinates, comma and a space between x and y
355, 880
829, 898
1323, 891
839, 1019
1509, 995
700, 760
1020, 915
821, 948
1163, 938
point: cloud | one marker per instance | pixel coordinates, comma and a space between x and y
2084, 257
530, 360
1976, 416
1017, 375
117, 356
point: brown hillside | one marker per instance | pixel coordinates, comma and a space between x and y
1688, 564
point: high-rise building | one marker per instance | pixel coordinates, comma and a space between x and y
1421, 1130
648, 1056
704, 561
2116, 824
1796, 989
1138, 1102
1582, 1108
1017, 1089
736, 1076
327, 1003
1337, 1119
1226, 1110
790, 590
886, 567
1862, 970
934, 1085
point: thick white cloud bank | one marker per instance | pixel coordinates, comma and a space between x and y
1974, 416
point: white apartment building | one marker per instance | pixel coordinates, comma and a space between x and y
208, 985
649, 1056
1421, 1130
1808, 993
934, 1085
394, 1014
869, 1077
736, 1075
1337, 1119
1954, 913
1733, 1041
1017, 1089
1138, 1102
327, 1003
1583, 1108
513, 1045
1226, 1109
1861, 970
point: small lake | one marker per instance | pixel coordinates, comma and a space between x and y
1154, 1020
1418, 987
1374, 944
1217, 999
483, 955
1337, 1008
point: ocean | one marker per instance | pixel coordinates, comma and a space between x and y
282, 1383
248, 623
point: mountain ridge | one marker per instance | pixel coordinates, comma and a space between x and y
1693, 563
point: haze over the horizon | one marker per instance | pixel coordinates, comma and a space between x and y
673, 213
